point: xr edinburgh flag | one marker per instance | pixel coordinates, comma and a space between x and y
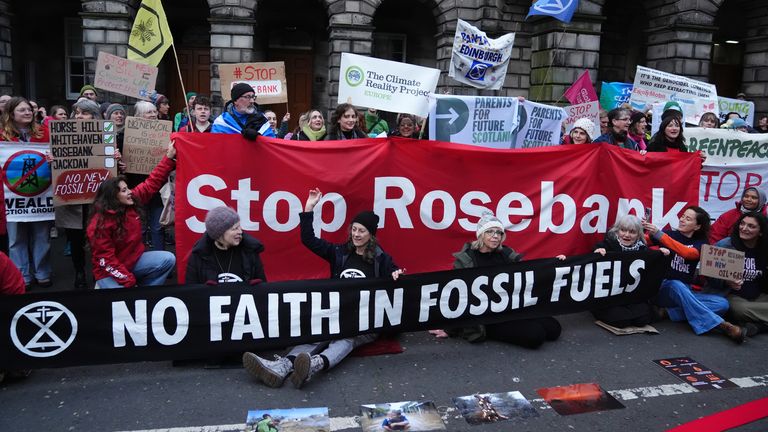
559, 9
150, 36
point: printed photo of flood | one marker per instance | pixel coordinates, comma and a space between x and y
579, 398
288, 420
400, 416
493, 407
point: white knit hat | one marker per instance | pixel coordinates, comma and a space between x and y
587, 126
486, 222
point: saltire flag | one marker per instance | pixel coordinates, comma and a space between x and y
150, 36
560, 9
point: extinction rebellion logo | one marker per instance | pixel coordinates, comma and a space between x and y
354, 76
43, 329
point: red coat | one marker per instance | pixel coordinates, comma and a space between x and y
46, 138
11, 280
723, 225
115, 256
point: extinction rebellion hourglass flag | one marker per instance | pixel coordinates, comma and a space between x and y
150, 36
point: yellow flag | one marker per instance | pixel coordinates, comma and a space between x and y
150, 35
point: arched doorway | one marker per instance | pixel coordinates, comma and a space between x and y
728, 48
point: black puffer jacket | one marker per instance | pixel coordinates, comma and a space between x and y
202, 266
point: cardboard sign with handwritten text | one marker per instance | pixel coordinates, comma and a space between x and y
145, 143
124, 76
83, 157
722, 263
267, 79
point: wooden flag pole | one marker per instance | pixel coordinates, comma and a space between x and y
183, 90
423, 123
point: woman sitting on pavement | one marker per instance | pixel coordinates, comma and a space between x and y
748, 298
488, 250
225, 253
314, 129
752, 200
626, 235
114, 232
702, 311
359, 257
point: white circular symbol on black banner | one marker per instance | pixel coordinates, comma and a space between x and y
352, 273
44, 319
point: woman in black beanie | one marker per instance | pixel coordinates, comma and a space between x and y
359, 257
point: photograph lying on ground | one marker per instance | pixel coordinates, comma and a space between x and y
288, 420
400, 416
493, 407
579, 398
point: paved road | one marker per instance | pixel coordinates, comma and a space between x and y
156, 396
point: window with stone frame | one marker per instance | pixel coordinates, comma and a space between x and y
389, 46
74, 62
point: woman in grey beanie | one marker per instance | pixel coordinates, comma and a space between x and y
225, 253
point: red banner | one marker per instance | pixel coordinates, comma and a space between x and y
429, 195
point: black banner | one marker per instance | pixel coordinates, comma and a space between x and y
198, 321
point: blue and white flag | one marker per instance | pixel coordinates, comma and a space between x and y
559, 9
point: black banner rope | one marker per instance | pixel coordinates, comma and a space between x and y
198, 321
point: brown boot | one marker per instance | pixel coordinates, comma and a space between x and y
736, 333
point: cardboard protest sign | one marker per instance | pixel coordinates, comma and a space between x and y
735, 161
722, 263
476, 120
145, 143
124, 76
267, 79
590, 110
746, 109
84, 156
653, 86
478, 60
26, 182
613, 94
538, 125
386, 85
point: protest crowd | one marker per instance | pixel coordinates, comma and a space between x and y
126, 234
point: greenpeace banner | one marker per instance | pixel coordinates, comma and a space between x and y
386, 85
199, 321
26, 182
613, 94
538, 125
429, 195
654, 86
735, 160
477, 120
478, 60
746, 109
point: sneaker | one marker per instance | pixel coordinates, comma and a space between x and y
54, 232
304, 367
270, 372
44, 283
80, 281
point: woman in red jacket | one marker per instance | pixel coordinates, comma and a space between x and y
114, 232
26, 238
752, 200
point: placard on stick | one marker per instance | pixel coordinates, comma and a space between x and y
124, 76
267, 79
83, 152
722, 263
145, 143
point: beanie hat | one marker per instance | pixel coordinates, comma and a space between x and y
671, 108
369, 220
219, 220
488, 221
87, 87
240, 89
190, 94
736, 123
587, 126
89, 106
160, 99
115, 107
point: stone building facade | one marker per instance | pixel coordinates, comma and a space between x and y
48, 47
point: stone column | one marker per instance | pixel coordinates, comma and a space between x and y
106, 26
560, 53
232, 30
350, 30
682, 49
6, 63
755, 78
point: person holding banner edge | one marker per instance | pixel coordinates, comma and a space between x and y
314, 129
115, 236
618, 130
703, 312
359, 257
242, 116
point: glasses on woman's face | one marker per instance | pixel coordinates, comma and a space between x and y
494, 233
